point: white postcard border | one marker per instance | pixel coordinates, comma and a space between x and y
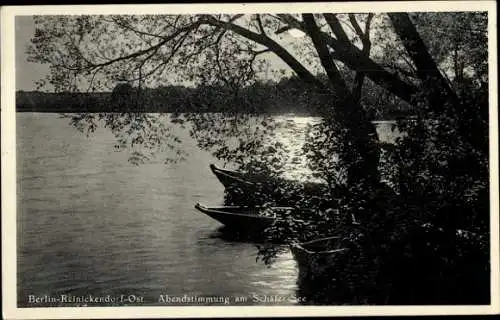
8, 129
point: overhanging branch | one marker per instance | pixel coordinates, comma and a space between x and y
331, 69
357, 61
272, 45
437, 89
150, 49
336, 28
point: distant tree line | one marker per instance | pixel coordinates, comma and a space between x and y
290, 95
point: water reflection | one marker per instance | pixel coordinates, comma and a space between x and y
291, 133
231, 235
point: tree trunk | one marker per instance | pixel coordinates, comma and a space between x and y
361, 154
360, 151
441, 97
435, 86
363, 158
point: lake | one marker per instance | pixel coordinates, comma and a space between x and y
90, 223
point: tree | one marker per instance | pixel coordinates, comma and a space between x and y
124, 97
188, 40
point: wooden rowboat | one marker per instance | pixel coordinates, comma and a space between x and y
242, 218
315, 257
232, 179
252, 188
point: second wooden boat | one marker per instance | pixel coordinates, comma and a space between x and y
315, 257
242, 218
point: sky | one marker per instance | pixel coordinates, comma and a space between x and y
26, 72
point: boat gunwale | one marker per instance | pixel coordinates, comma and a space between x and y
214, 168
247, 207
236, 175
240, 177
227, 173
300, 246
254, 216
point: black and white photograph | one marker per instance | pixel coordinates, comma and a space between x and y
282, 158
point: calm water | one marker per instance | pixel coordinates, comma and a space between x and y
91, 223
